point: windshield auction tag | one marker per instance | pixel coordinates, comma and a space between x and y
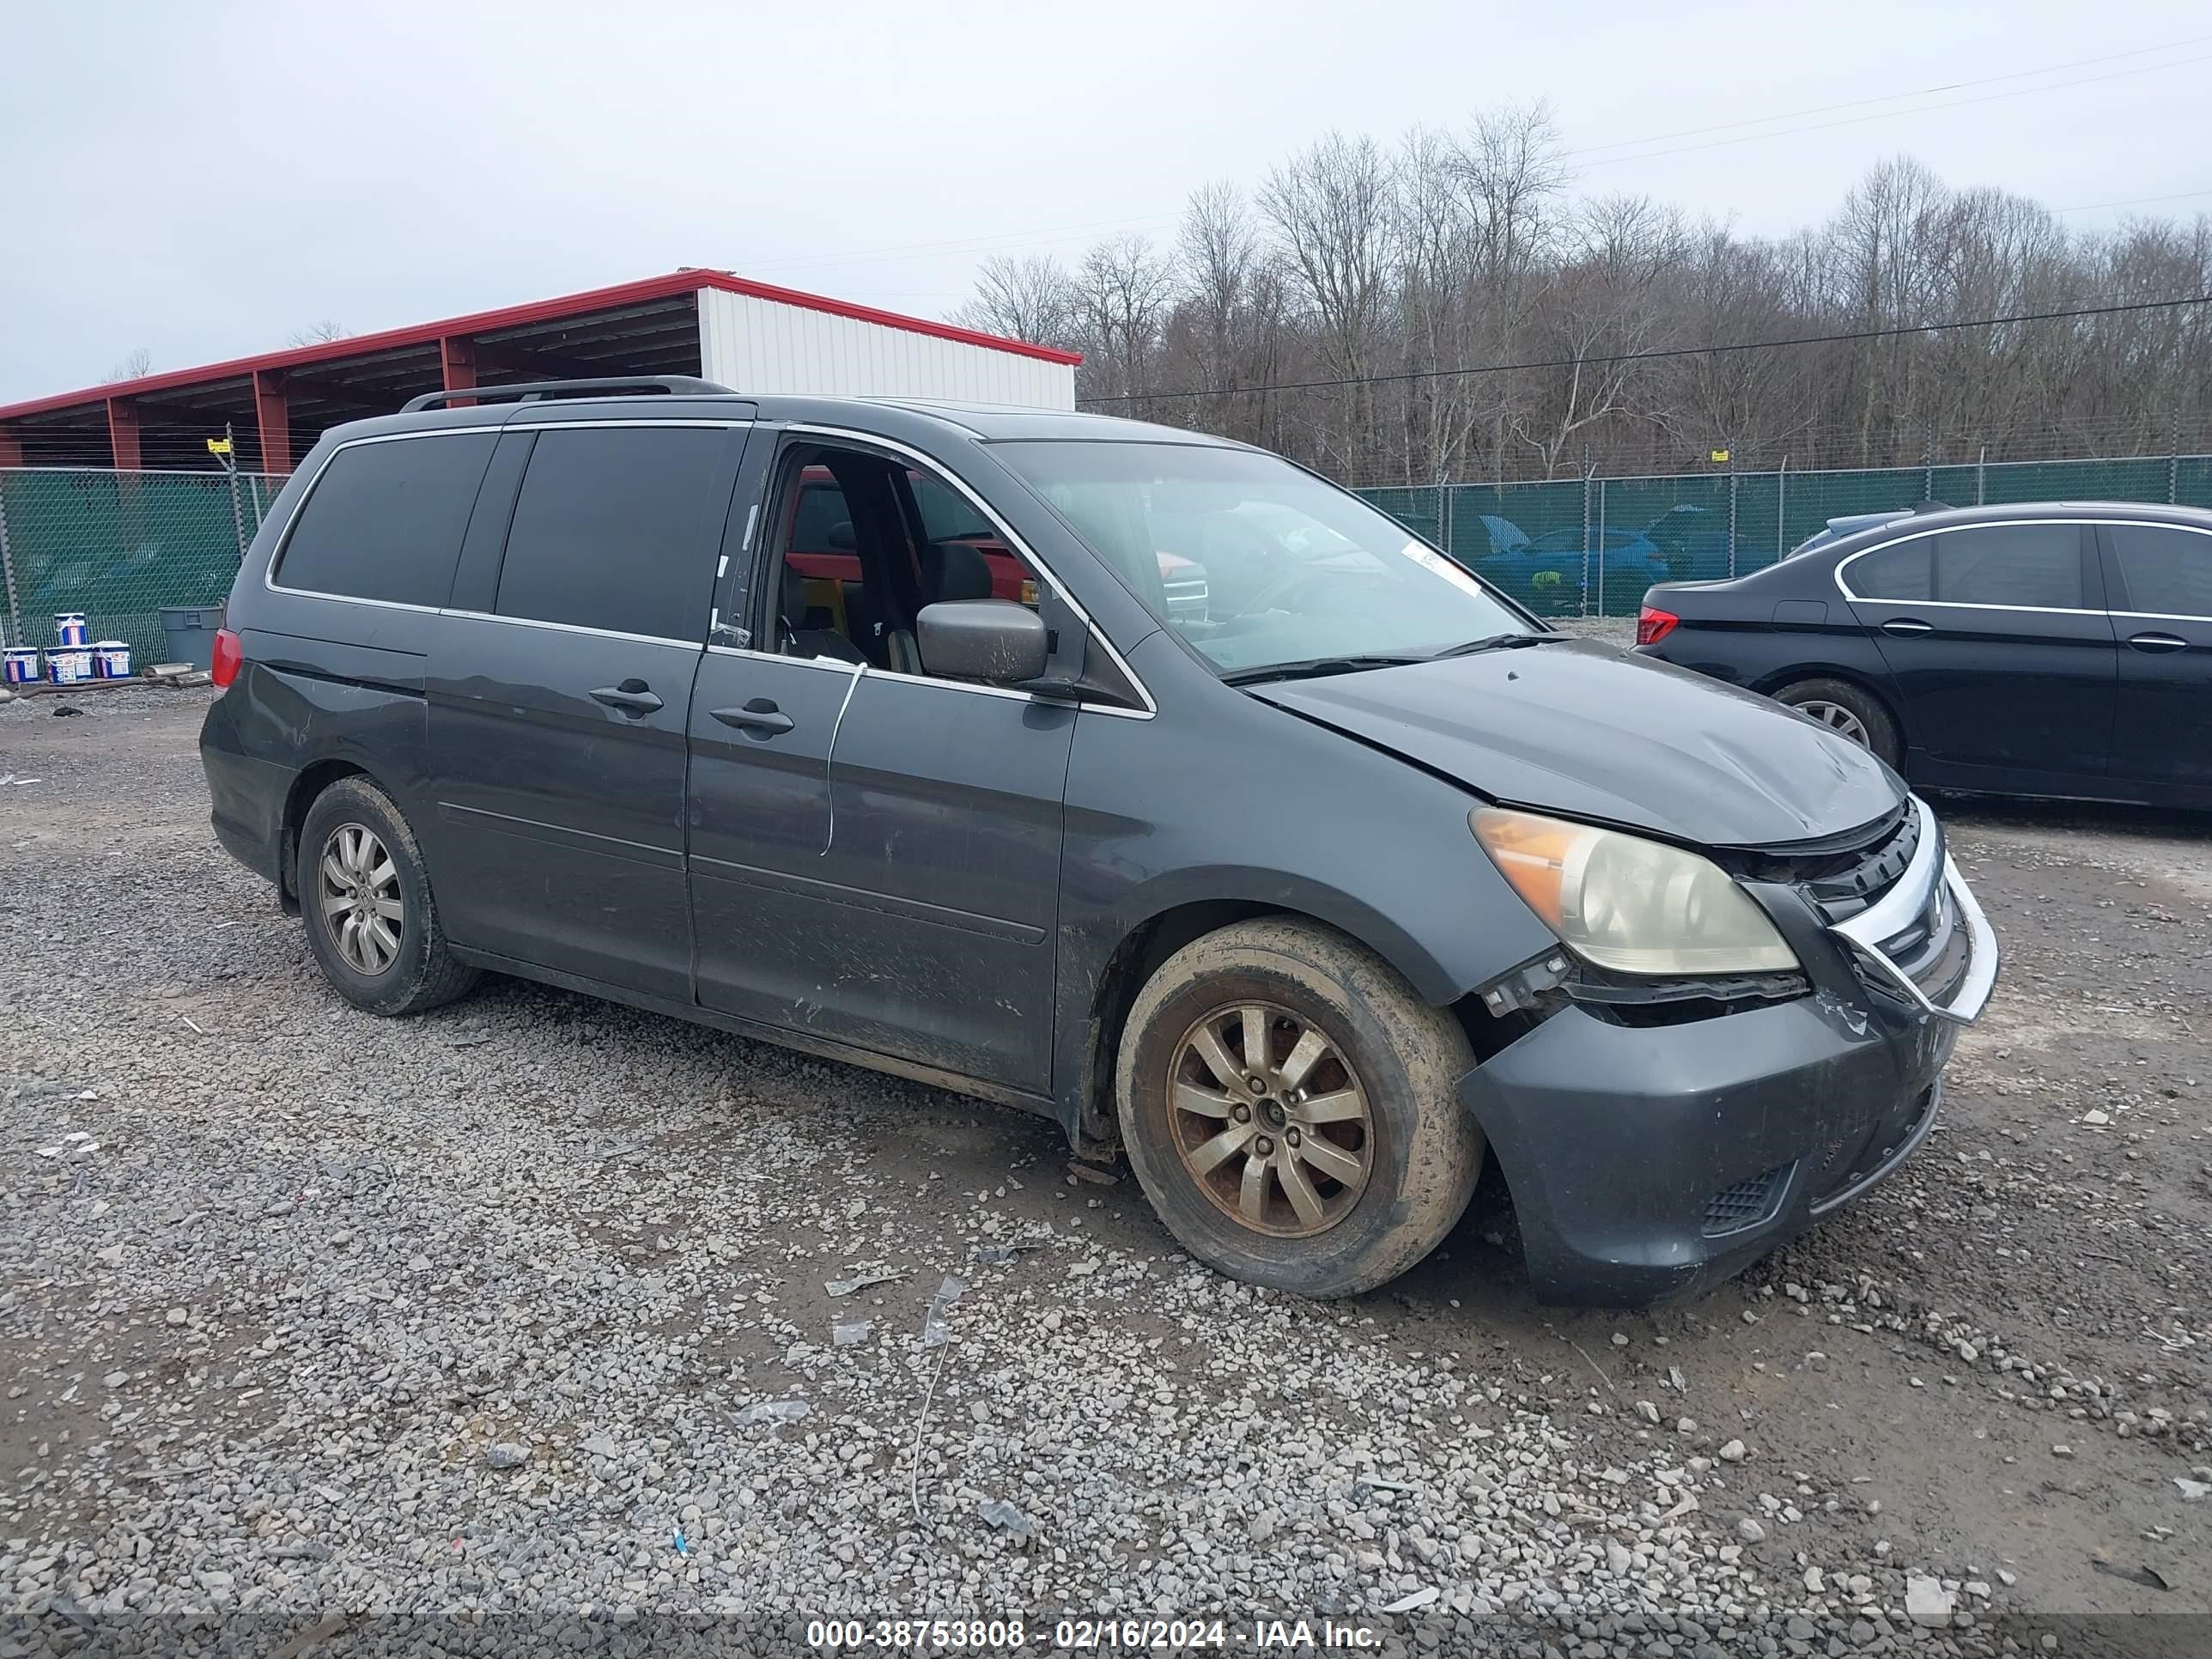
1435, 563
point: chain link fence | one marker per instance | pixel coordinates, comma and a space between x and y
1589, 547
119, 547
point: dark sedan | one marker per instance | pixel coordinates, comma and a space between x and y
2052, 648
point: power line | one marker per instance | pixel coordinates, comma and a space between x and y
1891, 98
2135, 201
984, 242
1884, 115
1649, 357
1017, 242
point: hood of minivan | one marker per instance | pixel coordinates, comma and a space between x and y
1585, 730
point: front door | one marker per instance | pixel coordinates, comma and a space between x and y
875, 853
558, 715
2160, 578
1997, 644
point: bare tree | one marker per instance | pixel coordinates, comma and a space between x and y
1332, 210
1222, 319
1123, 290
318, 333
1604, 307
135, 365
1450, 308
1029, 299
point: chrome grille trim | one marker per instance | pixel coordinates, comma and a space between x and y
1931, 879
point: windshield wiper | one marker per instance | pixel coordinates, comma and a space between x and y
1313, 668
1498, 642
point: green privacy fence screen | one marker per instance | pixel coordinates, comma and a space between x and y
119, 546
1591, 546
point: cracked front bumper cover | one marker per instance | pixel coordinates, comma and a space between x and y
1648, 1162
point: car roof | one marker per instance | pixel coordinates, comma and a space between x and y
893, 417
1914, 523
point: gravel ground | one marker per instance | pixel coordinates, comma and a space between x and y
527, 1305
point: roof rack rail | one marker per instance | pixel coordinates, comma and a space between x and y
533, 390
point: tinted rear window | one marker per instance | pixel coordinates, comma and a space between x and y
384, 520
2029, 565
2166, 570
614, 529
1898, 572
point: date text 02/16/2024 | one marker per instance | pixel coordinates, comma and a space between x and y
1088, 1635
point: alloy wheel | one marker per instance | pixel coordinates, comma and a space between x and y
358, 887
1269, 1119
1837, 718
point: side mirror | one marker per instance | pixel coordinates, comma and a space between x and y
842, 538
993, 640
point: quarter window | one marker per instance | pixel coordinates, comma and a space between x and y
614, 529
1900, 572
384, 521
2167, 570
2029, 566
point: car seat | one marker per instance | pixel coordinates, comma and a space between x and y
801, 630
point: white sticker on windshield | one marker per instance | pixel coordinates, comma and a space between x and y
1435, 563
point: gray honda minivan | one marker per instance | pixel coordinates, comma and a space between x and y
1310, 898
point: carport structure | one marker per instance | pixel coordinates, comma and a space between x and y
751, 337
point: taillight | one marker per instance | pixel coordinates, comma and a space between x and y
229, 657
1653, 624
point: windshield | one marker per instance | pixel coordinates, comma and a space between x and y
1294, 569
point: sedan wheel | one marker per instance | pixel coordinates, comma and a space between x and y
1850, 711
359, 894
1270, 1121
1840, 719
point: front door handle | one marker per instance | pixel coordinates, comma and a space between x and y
758, 715
1907, 625
634, 697
2157, 642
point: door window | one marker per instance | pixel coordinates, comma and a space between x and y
2027, 566
613, 529
384, 520
865, 541
2167, 570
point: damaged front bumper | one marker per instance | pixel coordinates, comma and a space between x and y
1649, 1161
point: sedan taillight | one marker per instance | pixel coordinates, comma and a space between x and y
1653, 624
229, 657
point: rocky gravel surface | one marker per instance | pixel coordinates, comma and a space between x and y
539, 1306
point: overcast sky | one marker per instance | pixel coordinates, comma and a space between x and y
203, 180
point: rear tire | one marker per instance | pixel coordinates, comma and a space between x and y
1849, 712
1351, 1157
366, 900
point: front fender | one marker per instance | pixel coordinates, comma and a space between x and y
1239, 805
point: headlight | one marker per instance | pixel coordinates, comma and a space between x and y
1629, 904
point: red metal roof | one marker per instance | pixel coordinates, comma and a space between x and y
540, 311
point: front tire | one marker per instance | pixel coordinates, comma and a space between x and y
366, 900
1288, 1103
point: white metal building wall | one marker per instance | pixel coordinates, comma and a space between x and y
761, 347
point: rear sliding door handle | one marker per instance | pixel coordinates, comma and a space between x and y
633, 697
1907, 625
758, 715
2157, 642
